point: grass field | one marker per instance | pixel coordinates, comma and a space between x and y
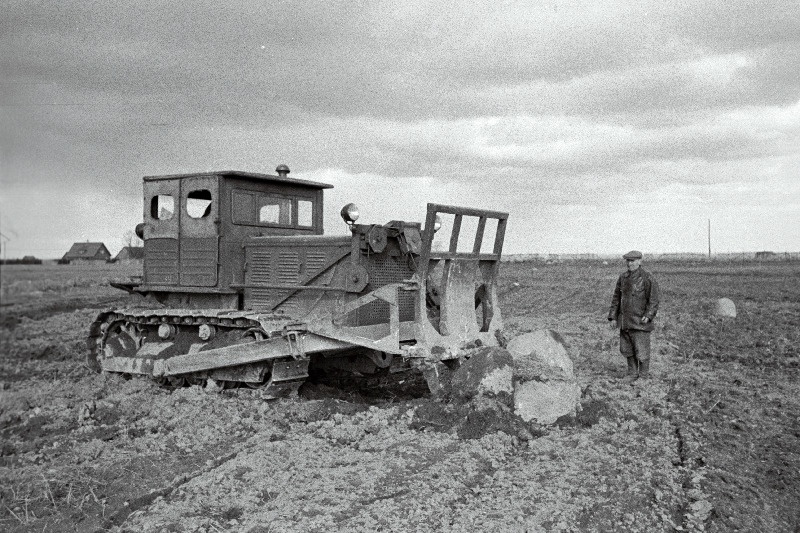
711, 443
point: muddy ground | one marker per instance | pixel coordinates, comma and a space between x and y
711, 442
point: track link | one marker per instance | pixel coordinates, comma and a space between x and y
124, 333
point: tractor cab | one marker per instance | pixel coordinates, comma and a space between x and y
195, 227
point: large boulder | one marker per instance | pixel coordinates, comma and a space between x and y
478, 389
487, 372
546, 402
545, 388
540, 355
725, 308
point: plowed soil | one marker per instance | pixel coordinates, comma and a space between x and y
710, 443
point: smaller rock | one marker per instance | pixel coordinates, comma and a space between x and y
540, 355
497, 382
725, 308
545, 403
86, 414
215, 386
438, 377
488, 372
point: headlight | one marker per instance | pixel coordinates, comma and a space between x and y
349, 213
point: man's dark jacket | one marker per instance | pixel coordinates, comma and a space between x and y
635, 296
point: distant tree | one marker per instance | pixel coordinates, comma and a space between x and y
27, 260
129, 238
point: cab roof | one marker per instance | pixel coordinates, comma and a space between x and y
245, 175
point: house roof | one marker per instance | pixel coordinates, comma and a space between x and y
85, 249
131, 252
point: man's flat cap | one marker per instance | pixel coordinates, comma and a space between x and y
633, 254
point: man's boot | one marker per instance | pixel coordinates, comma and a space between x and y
633, 370
644, 369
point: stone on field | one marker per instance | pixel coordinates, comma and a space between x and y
540, 355
545, 402
725, 307
545, 386
488, 372
438, 376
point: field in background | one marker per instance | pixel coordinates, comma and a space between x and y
712, 442
49, 280
739, 257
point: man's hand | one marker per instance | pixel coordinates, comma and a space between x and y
612, 325
645, 320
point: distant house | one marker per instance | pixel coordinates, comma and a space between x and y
85, 252
130, 254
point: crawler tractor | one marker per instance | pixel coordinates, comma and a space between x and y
240, 286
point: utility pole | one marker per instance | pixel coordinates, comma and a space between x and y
709, 238
4, 245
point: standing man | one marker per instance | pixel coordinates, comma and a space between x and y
633, 309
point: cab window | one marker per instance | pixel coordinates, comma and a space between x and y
305, 213
162, 207
274, 210
198, 203
254, 208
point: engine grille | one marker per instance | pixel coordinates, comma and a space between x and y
315, 261
286, 265
384, 269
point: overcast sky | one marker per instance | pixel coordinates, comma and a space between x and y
599, 126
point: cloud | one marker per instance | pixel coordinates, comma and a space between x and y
573, 146
206, 63
551, 107
723, 26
